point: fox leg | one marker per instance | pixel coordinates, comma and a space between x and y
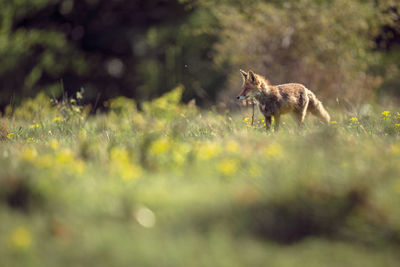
277, 118
304, 113
267, 123
302, 117
301, 114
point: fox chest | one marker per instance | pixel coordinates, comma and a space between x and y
270, 107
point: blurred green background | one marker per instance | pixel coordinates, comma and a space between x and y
342, 49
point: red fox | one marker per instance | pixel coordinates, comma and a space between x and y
274, 100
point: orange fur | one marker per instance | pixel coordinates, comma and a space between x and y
274, 100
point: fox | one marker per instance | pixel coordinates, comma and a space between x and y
275, 100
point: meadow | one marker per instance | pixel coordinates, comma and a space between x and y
168, 184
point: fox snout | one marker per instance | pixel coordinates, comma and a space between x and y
243, 94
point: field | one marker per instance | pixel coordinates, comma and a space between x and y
169, 184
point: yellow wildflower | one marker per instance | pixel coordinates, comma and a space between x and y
54, 144
121, 165
21, 238
65, 157
30, 140
10, 135
395, 149
274, 150
79, 166
56, 119
232, 146
119, 154
333, 122
45, 161
208, 151
386, 113
397, 125
354, 120
228, 167
29, 153
160, 146
66, 161
33, 126
179, 153
130, 171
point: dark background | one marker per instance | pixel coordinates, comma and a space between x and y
142, 48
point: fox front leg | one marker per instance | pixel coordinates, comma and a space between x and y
276, 122
267, 123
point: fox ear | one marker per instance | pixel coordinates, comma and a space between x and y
252, 76
245, 74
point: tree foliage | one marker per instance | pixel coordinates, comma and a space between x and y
142, 49
324, 45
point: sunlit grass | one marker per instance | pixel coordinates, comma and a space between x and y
125, 185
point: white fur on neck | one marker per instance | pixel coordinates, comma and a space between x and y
264, 86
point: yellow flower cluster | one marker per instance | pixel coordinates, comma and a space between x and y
30, 140
232, 146
122, 165
386, 114
180, 153
208, 151
166, 151
56, 119
354, 121
228, 167
29, 154
395, 149
20, 238
274, 151
160, 146
59, 161
258, 123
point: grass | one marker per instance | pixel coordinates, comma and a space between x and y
171, 185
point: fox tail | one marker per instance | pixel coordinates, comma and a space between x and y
316, 108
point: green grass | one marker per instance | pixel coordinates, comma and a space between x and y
171, 185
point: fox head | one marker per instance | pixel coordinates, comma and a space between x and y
250, 86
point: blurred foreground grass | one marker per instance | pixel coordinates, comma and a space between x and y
169, 185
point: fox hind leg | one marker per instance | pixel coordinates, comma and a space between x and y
267, 123
277, 118
301, 113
